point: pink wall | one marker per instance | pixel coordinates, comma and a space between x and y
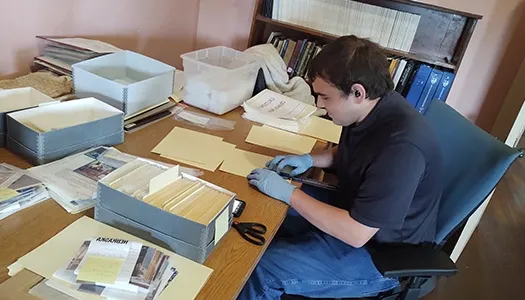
162, 29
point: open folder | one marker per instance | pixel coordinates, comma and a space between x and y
44, 260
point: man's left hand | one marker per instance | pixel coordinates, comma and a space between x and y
270, 183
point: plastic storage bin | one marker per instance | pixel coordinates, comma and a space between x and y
125, 80
219, 79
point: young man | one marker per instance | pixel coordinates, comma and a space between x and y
388, 166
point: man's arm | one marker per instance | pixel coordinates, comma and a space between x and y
324, 159
331, 220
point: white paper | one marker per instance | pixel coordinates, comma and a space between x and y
279, 106
221, 225
92, 45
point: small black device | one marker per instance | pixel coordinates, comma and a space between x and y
238, 207
252, 232
285, 173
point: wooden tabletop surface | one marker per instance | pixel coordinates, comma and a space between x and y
232, 260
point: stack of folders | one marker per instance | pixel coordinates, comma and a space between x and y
58, 54
148, 116
276, 110
118, 269
18, 190
185, 197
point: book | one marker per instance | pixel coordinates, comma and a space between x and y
429, 90
405, 77
387, 27
399, 71
418, 84
444, 86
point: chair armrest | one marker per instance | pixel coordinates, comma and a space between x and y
412, 261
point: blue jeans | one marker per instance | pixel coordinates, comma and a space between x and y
305, 261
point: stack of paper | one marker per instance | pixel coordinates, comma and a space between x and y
322, 129
118, 269
136, 268
194, 148
72, 181
169, 190
276, 110
148, 116
280, 140
18, 190
58, 54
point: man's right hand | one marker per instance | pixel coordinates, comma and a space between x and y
300, 163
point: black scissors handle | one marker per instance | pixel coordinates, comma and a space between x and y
251, 232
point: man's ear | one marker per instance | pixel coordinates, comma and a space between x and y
358, 92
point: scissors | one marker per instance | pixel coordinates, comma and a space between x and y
251, 232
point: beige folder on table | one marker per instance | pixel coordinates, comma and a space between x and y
58, 251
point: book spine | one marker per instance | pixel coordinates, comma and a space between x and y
399, 71
405, 77
417, 85
290, 48
429, 90
444, 86
295, 57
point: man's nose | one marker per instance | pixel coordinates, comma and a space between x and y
320, 103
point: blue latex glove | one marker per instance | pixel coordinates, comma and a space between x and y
300, 163
270, 183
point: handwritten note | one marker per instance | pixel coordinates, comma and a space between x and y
6, 194
100, 269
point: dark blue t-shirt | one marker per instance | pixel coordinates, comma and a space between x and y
389, 169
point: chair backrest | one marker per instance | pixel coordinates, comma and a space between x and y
474, 163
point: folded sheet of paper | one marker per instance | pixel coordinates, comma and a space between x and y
241, 163
44, 261
194, 148
280, 140
322, 129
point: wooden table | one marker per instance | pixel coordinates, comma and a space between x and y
232, 261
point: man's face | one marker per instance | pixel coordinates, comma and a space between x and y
342, 109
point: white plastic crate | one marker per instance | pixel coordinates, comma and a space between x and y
125, 80
219, 79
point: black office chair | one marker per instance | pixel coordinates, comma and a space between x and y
474, 164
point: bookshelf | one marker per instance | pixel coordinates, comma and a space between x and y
440, 41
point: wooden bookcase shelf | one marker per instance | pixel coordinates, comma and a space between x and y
441, 40
327, 37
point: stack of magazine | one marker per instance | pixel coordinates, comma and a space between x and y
72, 181
18, 190
277, 110
117, 269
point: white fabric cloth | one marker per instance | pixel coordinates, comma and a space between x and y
276, 76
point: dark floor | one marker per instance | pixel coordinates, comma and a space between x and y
492, 265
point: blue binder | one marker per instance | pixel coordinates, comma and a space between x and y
429, 90
444, 86
417, 85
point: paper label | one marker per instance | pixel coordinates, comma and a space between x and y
6, 194
194, 118
100, 269
221, 225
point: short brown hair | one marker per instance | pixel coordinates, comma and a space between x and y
349, 60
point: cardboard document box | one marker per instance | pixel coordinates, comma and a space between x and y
18, 99
172, 229
47, 133
151, 235
126, 80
